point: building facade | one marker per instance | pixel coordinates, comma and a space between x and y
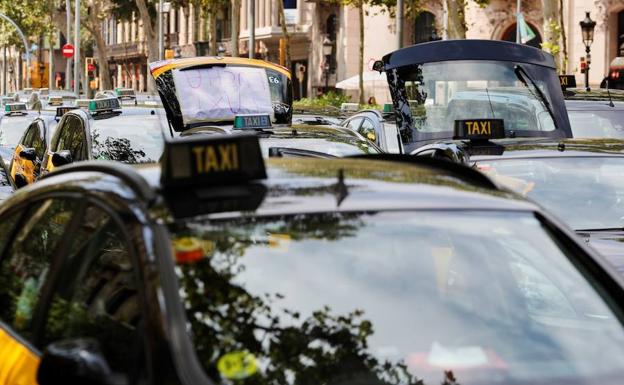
317, 28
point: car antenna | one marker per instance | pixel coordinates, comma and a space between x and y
609, 93
490, 101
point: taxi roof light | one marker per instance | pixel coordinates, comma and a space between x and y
15, 108
252, 122
212, 161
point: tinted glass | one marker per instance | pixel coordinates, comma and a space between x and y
391, 298
597, 124
367, 130
587, 193
432, 96
72, 138
128, 138
97, 294
33, 139
27, 259
354, 123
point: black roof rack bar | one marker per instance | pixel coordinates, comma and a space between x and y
465, 173
119, 170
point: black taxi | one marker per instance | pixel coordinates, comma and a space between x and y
208, 95
594, 113
219, 268
435, 84
94, 129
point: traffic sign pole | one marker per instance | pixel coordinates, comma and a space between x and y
77, 50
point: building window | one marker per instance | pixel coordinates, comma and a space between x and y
424, 28
290, 4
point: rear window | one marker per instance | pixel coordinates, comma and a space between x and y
392, 298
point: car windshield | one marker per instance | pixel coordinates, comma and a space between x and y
597, 124
432, 96
220, 93
392, 298
585, 192
128, 138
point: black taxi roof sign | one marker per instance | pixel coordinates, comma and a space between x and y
479, 129
567, 81
15, 109
210, 161
252, 122
60, 111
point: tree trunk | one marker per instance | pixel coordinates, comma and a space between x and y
236, 8
212, 32
282, 20
564, 42
551, 27
150, 37
456, 19
94, 26
361, 55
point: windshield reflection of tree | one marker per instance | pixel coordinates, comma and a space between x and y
118, 149
319, 348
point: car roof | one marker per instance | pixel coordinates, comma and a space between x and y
564, 148
314, 185
469, 49
594, 94
594, 105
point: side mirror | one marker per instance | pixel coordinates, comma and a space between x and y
28, 154
61, 158
379, 66
78, 361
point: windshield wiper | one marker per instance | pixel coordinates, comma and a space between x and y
523, 76
279, 152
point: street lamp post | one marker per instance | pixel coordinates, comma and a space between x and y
587, 27
328, 46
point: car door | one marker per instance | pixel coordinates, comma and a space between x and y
55, 287
69, 143
30, 237
29, 153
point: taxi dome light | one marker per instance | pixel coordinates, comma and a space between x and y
207, 174
479, 129
252, 122
15, 108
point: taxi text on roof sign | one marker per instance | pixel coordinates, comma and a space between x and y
567, 81
252, 122
15, 108
211, 161
479, 129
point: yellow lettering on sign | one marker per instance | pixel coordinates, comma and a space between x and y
479, 128
198, 151
564, 81
223, 157
212, 164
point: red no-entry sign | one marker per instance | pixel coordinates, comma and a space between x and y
68, 50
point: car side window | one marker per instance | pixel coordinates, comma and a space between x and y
367, 130
72, 138
32, 139
97, 294
354, 123
27, 259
